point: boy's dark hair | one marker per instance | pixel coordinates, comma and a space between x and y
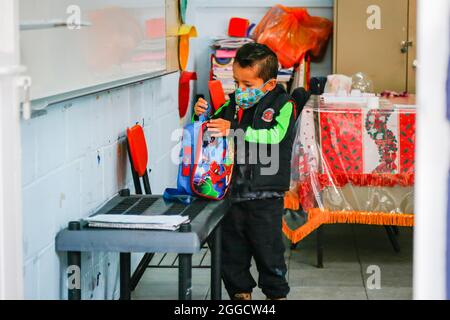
258, 54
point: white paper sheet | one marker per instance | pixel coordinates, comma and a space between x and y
159, 222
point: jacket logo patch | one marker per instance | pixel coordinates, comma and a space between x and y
268, 115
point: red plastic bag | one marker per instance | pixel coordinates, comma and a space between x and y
291, 32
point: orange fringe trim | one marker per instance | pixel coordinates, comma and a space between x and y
291, 201
364, 217
367, 179
302, 232
317, 217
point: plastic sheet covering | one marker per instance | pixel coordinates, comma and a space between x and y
352, 164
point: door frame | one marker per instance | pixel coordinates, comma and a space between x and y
432, 151
11, 238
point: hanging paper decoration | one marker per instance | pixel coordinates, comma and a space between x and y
183, 7
184, 91
185, 32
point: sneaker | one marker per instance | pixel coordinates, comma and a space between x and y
242, 296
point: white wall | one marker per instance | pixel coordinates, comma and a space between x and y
11, 261
73, 162
433, 151
211, 18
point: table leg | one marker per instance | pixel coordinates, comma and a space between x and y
74, 268
125, 275
216, 254
392, 238
396, 231
73, 275
185, 276
320, 247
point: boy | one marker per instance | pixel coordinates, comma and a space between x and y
264, 113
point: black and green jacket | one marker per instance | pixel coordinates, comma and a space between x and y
268, 125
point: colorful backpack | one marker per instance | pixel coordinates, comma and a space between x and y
206, 164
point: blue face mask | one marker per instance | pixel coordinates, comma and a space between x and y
247, 98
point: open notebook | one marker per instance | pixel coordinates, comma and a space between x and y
121, 221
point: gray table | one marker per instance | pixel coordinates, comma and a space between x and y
205, 219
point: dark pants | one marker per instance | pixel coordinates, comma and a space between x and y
253, 229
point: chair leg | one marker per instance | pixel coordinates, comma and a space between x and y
136, 181
147, 188
392, 238
140, 270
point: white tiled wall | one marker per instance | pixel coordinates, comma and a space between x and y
74, 160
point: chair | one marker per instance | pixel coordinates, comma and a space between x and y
216, 93
300, 97
138, 155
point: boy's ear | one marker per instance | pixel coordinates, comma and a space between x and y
271, 84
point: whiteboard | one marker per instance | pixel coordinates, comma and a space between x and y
73, 47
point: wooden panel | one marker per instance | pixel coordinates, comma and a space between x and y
172, 18
375, 52
172, 54
335, 35
172, 26
412, 36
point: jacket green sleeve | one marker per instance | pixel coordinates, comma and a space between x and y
275, 134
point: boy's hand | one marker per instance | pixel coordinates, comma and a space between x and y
219, 127
200, 107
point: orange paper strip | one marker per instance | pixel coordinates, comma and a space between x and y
185, 32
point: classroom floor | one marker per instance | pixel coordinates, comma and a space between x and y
348, 252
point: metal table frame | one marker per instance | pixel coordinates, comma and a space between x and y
204, 228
